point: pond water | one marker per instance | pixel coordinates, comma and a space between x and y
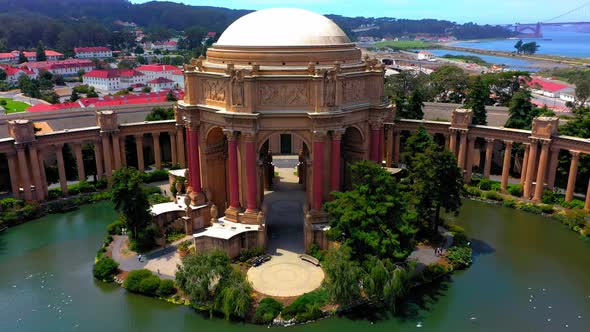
510, 63
530, 274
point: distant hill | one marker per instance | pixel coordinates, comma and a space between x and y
64, 24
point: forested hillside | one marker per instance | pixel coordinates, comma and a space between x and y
65, 24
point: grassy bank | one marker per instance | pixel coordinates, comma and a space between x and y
406, 45
13, 106
532, 57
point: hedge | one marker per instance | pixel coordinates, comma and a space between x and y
105, 269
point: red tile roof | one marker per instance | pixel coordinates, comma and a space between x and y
157, 68
7, 56
113, 73
70, 63
130, 99
546, 85
160, 80
91, 49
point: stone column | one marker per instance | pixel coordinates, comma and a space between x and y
122, 152
45, 187
396, 146
571, 180
192, 137
318, 166
469, 160
98, 159
106, 150
234, 185
180, 146
506, 165
39, 192
335, 165
139, 148
542, 170
587, 204
157, 151
79, 161
462, 149
488, 163
389, 146
375, 136
173, 147
61, 169
531, 165
447, 141
116, 151
24, 167
525, 163
453, 141
551, 172
381, 144
251, 199
14, 174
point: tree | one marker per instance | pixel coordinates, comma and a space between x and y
29, 87
130, 199
436, 182
343, 276
146, 89
170, 96
449, 84
477, 99
40, 54
158, 114
74, 97
2, 74
138, 50
81, 73
414, 106
141, 60
386, 282
529, 48
416, 144
371, 218
91, 93
518, 46
58, 80
504, 85
521, 111
21, 57
582, 81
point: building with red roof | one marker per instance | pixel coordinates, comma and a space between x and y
160, 84
153, 72
69, 67
12, 57
93, 52
13, 73
170, 45
113, 79
547, 87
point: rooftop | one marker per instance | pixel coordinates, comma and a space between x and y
225, 229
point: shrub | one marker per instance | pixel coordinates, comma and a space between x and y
105, 269
306, 304
494, 196
573, 204
574, 219
546, 208
459, 257
510, 203
496, 186
433, 271
151, 190
10, 203
246, 254
267, 310
472, 191
515, 190
529, 207
550, 197
115, 227
166, 288
54, 194
316, 252
149, 285
134, 278
158, 199
101, 184
157, 175
174, 236
485, 184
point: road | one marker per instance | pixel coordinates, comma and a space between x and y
553, 103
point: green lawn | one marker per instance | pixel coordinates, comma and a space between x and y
405, 44
13, 106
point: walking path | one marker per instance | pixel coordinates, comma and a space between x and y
285, 275
425, 256
163, 260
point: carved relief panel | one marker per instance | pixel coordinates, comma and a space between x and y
353, 90
292, 94
214, 90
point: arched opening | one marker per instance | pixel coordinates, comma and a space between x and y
283, 180
352, 150
214, 156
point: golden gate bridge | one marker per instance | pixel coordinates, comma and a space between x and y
579, 16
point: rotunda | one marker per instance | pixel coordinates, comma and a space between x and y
280, 81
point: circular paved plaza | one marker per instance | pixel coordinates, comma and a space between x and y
285, 275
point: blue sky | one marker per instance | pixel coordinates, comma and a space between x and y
480, 11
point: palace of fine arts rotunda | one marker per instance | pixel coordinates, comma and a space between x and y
269, 122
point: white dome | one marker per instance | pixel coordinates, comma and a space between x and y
283, 27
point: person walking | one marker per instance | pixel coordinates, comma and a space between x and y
139, 258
